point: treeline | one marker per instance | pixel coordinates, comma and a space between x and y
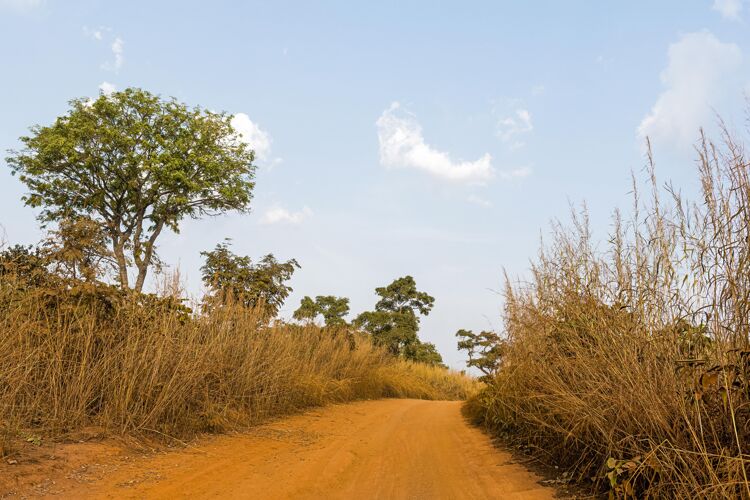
113, 173
393, 324
82, 342
628, 365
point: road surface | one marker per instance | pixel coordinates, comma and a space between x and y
385, 449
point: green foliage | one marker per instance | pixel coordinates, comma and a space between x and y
234, 278
423, 352
394, 330
395, 322
402, 296
484, 350
135, 164
307, 310
333, 309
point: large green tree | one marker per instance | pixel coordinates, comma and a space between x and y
234, 278
395, 321
136, 164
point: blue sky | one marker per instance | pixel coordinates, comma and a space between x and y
435, 139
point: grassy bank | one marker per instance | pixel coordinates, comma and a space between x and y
72, 357
629, 363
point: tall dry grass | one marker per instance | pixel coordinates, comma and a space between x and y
629, 363
77, 357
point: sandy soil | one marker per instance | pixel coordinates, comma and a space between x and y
374, 449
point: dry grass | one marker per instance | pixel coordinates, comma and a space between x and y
630, 365
74, 358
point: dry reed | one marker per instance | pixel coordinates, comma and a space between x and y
631, 366
72, 358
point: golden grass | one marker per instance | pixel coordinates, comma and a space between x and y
630, 364
70, 359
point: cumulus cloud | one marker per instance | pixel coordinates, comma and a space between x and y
107, 88
729, 9
250, 133
510, 127
701, 72
402, 145
478, 200
279, 215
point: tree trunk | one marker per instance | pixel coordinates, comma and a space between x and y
147, 256
122, 264
141, 279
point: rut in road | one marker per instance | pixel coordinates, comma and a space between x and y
374, 449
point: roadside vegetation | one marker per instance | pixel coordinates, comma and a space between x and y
628, 364
82, 343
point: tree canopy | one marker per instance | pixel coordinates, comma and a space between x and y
135, 164
234, 278
484, 350
333, 309
395, 321
423, 352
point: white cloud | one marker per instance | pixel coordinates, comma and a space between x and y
96, 33
478, 200
117, 47
729, 9
107, 88
403, 146
512, 126
537, 90
279, 215
701, 73
20, 5
516, 173
250, 133
117, 52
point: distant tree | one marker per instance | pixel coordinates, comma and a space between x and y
423, 352
333, 309
307, 310
135, 164
484, 350
232, 277
402, 296
395, 321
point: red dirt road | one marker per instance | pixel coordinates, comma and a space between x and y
375, 449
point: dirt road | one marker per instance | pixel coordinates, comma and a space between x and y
375, 449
